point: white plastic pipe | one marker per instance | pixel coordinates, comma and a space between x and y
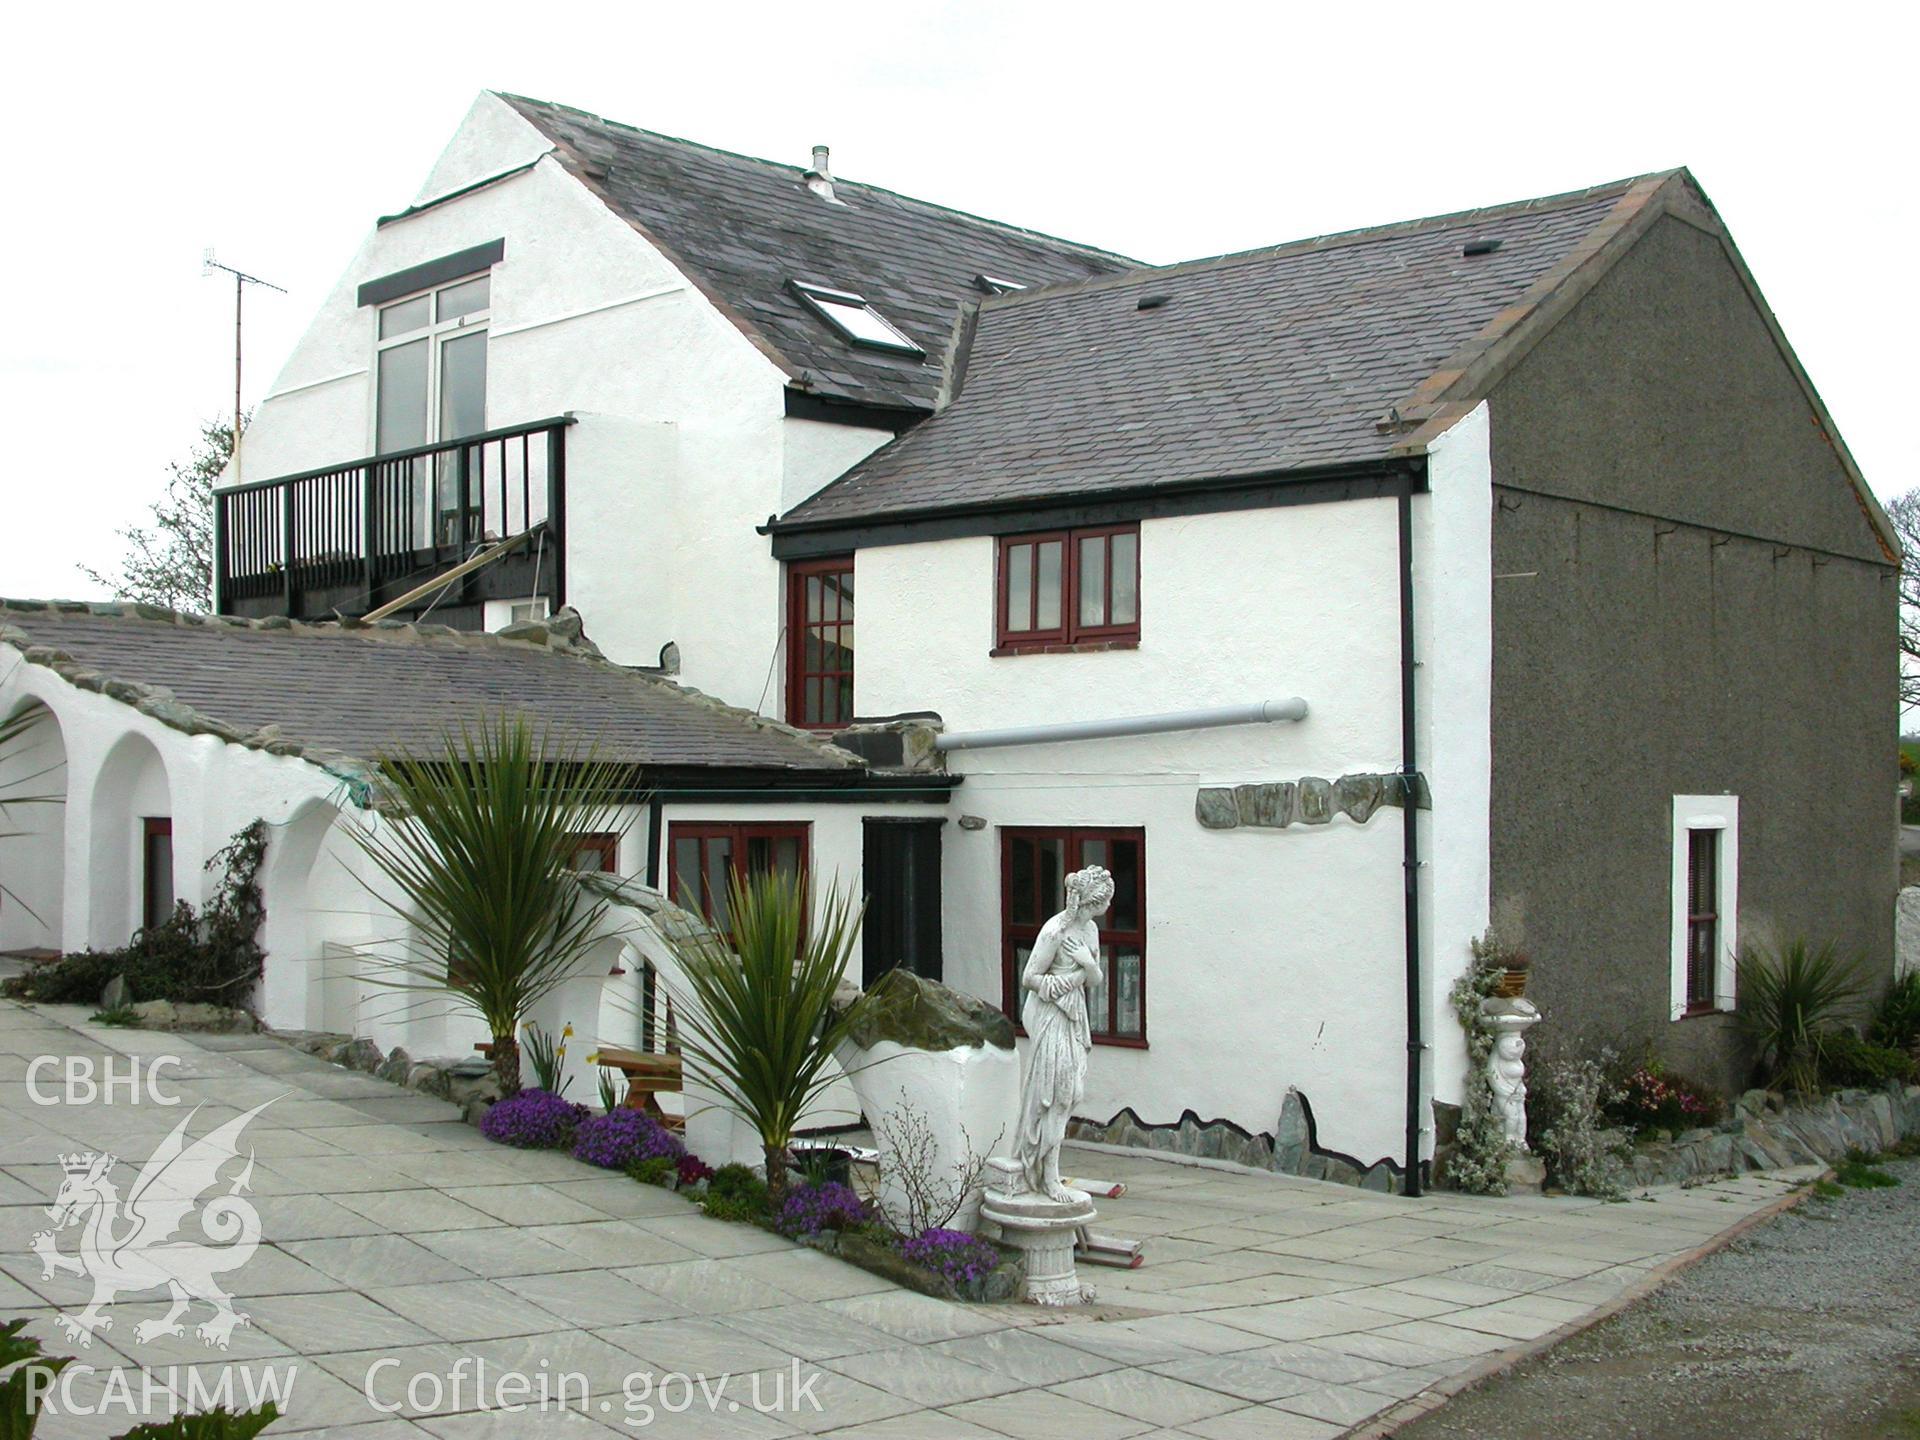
1264, 712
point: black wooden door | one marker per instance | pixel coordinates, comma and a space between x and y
902, 927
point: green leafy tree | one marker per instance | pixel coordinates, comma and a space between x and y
482, 853
170, 562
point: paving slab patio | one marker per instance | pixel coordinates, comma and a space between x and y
394, 1236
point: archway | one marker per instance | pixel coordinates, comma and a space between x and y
33, 810
315, 915
131, 862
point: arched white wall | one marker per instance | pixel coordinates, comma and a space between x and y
33, 793
131, 785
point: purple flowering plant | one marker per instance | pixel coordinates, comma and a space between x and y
622, 1138
533, 1120
960, 1258
693, 1170
809, 1209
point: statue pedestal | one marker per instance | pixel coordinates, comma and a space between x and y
1043, 1230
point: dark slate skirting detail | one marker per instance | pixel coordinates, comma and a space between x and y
1274, 805
1290, 1150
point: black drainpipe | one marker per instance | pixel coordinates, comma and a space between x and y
654, 808
1410, 831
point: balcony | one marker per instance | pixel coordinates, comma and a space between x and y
350, 538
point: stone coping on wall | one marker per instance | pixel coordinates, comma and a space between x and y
1311, 800
1764, 1132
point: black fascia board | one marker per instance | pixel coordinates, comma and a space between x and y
810, 405
747, 786
456, 266
1369, 480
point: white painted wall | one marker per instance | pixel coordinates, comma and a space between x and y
1275, 958
682, 445
33, 790
1453, 640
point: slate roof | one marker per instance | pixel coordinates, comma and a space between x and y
1319, 353
743, 228
336, 692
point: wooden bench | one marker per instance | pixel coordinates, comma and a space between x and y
648, 1075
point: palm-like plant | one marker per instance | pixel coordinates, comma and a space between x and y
1789, 996
761, 1030
483, 854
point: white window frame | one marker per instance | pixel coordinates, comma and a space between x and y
1706, 812
821, 301
436, 332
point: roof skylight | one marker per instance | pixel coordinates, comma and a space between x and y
855, 319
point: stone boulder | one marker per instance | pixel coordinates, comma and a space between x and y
921, 1014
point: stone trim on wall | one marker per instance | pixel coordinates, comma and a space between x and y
1291, 1150
1312, 800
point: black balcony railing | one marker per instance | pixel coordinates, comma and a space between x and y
351, 536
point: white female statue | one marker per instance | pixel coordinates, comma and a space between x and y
1065, 961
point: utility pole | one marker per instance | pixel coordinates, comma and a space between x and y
240, 282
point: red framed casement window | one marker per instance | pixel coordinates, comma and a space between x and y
1703, 918
156, 870
820, 643
597, 853
702, 855
1067, 587
1034, 865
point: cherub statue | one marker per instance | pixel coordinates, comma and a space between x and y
1064, 962
1507, 1073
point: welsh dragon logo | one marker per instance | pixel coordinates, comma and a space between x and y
134, 1245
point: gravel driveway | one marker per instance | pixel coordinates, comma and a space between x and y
1806, 1326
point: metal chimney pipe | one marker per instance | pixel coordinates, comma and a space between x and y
820, 163
1264, 712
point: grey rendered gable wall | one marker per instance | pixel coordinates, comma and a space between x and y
1692, 602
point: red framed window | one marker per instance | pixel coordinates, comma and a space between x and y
820, 643
156, 870
702, 855
1034, 865
597, 853
1703, 917
1068, 587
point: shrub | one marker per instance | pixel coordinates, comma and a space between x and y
1566, 1107
1788, 995
654, 1170
735, 1193
533, 1120
1481, 1150
809, 1209
1896, 1020
693, 1170
1649, 1098
1846, 1061
959, 1258
620, 1138
211, 956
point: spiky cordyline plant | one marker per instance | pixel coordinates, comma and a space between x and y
1788, 997
760, 1029
483, 854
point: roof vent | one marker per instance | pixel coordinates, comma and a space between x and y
1480, 245
820, 178
1152, 302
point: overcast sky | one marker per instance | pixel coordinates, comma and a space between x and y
276, 135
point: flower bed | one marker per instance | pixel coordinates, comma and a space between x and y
533, 1120
623, 1138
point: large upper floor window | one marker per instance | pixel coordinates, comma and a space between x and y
1068, 587
1034, 865
431, 381
820, 643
